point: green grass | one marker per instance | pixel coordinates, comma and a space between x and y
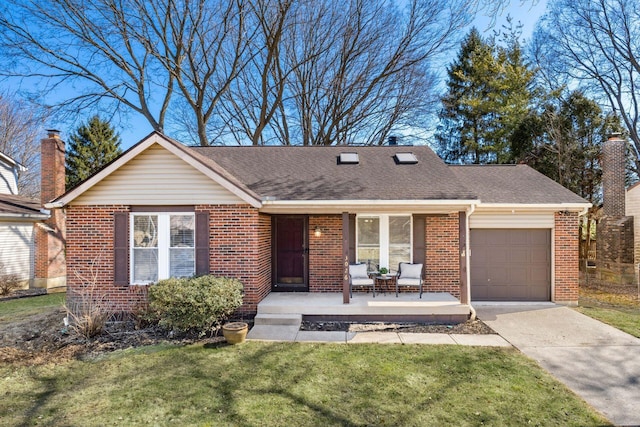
18, 309
292, 384
625, 319
618, 307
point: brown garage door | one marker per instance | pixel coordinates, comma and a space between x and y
510, 265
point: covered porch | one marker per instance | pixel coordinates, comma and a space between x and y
282, 308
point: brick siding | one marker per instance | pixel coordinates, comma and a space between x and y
442, 263
566, 258
240, 247
49, 256
325, 254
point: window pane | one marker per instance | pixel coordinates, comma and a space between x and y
145, 265
181, 262
369, 256
399, 240
145, 231
182, 231
369, 242
398, 255
400, 230
368, 231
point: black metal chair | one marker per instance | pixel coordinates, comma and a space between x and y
410, 275
358, 276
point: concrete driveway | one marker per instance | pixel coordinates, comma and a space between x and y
596, 361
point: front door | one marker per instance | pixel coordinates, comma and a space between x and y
290, 253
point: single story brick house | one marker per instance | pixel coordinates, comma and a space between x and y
291, 218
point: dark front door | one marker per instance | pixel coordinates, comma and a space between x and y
290, 253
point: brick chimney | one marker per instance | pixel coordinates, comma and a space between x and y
50, 236
613, 176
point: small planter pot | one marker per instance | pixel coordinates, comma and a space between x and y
235, 332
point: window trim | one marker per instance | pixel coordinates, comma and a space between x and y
164, 241
384, 236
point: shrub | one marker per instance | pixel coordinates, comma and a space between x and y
197, 304
87, 311
9, 283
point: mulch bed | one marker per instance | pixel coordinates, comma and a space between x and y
470, 327
23, 293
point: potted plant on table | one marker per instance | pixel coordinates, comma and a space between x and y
383, 272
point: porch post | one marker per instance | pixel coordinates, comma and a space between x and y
345, 257
462, 239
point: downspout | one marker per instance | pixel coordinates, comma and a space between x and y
473, 314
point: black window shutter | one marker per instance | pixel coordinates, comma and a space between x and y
202, 243
121, 248
419, 237
352, 238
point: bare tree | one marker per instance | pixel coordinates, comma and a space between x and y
308, 71
328, 72
88, 51
20, 128
594, 43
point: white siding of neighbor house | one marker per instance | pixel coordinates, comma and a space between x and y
8, 184
17, 249
632, 208
156, 177
509, 220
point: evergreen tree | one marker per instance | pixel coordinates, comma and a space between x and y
90, 148
490, 92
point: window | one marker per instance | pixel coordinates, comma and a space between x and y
162, 246
383, 240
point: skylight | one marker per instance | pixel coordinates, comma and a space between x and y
349, 158
406, 158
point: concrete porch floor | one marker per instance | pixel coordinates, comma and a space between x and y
432, 307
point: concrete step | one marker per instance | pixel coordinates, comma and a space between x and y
278, 319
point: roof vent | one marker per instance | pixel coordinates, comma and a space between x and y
406, 158
348, 159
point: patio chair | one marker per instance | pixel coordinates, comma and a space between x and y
358, 277
409, 275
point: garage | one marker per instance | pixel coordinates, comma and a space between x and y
510, 264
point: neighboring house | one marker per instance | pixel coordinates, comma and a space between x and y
290, 218
632, 209
18, 215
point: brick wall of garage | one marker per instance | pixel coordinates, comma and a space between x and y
442, 260
566, 254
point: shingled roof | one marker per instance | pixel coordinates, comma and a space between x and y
513, 184
20, 207
315, 173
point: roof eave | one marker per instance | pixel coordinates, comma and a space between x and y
536, 207
364, 206
33, 216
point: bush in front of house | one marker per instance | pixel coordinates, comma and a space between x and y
195, 304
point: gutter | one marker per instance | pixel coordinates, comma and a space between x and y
54, 205
24, 216
470, 212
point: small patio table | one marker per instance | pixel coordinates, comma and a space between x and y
383, 281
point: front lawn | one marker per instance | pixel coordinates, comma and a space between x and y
292, 384
612, 306
21, 308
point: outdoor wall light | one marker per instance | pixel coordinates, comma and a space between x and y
318, 232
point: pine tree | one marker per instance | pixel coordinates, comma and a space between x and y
90, 148
489, 94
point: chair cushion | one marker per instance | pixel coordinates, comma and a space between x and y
409, 282
362, 282
358, 271
410, 271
